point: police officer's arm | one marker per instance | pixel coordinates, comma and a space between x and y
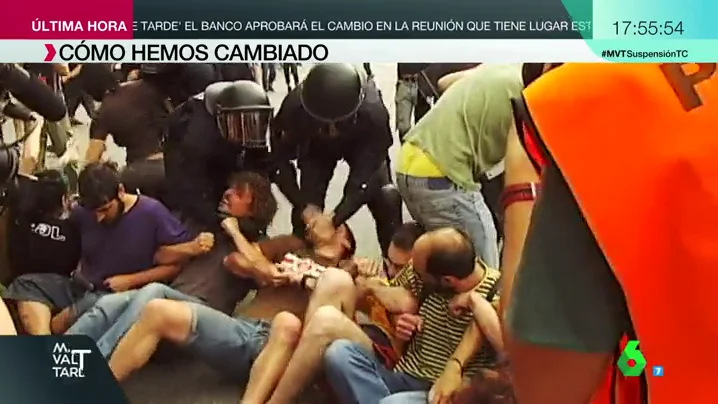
568, 309
98, 136
518, 170
284, 150
191, 187
365, 163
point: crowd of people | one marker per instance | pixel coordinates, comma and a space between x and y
163, 250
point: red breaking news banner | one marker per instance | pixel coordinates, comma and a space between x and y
78, 19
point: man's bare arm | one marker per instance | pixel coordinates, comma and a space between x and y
488, 321
395, 299
174, 254
160, 273
94, 150
517, 216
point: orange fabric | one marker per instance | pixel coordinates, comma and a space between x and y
639, 150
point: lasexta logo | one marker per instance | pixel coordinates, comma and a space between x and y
632, 362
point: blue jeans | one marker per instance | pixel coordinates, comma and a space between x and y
438, 202
113, 315
229, 345
407, 397
357, 376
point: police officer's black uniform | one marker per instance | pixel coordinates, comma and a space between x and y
336, 114
212, 135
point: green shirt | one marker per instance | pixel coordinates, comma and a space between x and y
465, 132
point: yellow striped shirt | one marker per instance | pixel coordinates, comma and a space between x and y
430, 350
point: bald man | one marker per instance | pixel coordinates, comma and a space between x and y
442, 348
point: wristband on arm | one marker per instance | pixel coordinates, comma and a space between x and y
522, 192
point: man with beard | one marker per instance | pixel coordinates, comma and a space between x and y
336, 114
210, 137
120, 235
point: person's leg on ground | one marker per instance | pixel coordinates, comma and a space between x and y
88, 104
404, 100
285, 72
295, 73
81, 303
100, 317
327, 324
284, 335
161, 319
407, 397
37, 297
357, 375
133, 302
335, 288
227, 344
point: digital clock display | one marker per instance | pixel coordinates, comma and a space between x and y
648, 28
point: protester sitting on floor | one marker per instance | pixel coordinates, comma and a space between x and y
438, 354
120, 233
399, 251
215, 336
487, 386
204, 279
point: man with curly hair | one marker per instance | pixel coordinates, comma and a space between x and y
250, 201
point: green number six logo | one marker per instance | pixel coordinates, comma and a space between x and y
631, 362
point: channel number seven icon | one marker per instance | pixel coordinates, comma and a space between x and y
631, 362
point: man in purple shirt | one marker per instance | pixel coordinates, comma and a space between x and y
123, 237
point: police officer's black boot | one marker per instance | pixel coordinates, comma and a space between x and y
385, 207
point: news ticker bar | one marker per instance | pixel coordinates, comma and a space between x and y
375, 51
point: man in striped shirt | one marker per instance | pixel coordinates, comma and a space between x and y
443, 349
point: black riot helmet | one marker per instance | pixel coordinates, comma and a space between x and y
153, 69
242, 111
9, 164
97, 79
333, 92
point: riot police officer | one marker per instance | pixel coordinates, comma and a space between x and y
336, 114
212, 135
179, 81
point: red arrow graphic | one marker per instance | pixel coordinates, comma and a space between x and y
50, 52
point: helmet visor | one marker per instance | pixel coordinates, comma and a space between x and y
246, 127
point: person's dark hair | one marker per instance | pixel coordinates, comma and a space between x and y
48, 194
496, 389
264, 204
406, 235
98, 184
453, 256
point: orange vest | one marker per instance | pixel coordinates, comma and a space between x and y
638, 145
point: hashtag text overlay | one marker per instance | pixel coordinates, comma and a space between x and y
634, 54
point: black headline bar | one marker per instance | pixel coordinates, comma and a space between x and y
368, 19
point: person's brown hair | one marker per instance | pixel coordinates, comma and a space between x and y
487, 388
264, 204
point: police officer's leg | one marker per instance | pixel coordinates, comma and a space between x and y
421, 108
145, 177
385, 207
314, 177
